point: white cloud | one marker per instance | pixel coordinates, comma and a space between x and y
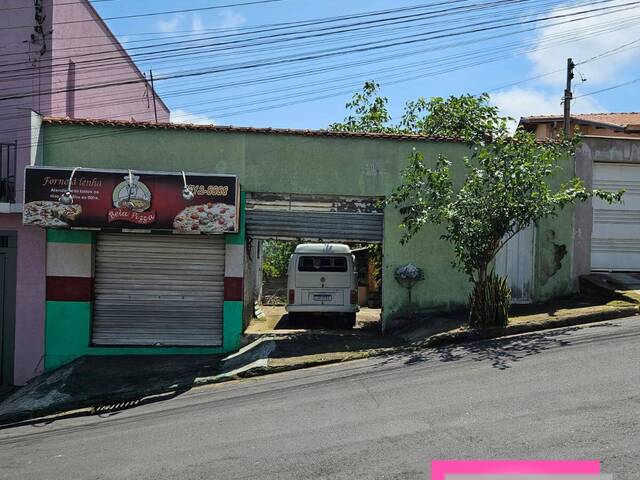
183, 116
197, 25
592, 40
231, 19
523, 102
228, 18
172, 24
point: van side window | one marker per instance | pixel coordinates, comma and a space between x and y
310, 263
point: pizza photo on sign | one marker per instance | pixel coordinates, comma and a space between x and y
206, 218
47, 213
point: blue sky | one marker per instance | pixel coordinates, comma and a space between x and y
405, 72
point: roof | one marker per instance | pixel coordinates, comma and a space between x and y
323, 248
234, 129
616, 121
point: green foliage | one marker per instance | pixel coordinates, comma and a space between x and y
375, 259
371, 114
472, 116
506, 187
489, 302
276, 254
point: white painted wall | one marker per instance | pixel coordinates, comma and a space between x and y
515, 261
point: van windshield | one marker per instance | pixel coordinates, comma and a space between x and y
322, 264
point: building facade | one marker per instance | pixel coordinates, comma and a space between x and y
307, 185
607, 236
58, 58
620, 125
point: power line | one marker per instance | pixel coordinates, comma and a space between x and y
199, 48
327, 53
323, 30
607, 89
304, 99
30, 7
481, 60
154, 14
436, 72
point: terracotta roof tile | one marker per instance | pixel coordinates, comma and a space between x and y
234, 129
620, 119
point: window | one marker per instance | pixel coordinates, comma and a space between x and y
322, 264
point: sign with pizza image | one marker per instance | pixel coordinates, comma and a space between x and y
122, 199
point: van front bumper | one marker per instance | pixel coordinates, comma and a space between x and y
322, 308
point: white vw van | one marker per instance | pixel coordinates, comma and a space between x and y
322, 279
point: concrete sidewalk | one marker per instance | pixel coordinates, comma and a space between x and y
97, 384
103, 383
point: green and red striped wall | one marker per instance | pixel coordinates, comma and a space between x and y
69, 292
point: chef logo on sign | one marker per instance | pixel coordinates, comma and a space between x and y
131, 200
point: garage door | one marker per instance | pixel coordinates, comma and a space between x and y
158, 290
615, 242
313, 217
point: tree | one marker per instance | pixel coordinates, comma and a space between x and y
276, 254
506, 187
370, 112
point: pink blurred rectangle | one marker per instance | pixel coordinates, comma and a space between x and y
441, 468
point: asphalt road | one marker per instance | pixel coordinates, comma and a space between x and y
571, 394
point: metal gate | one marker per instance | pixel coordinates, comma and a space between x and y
515, 261
314, 217
158, 290
615, 241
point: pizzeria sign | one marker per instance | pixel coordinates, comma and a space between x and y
123, 199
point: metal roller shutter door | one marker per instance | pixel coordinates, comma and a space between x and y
615, 241
158, 290
307, 217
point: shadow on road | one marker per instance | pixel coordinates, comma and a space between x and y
500, 353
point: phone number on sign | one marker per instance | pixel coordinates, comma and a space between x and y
211, 190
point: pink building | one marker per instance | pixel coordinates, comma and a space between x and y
57, 58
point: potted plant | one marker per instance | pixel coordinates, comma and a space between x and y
408, 276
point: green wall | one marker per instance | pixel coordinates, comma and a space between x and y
553, 275
68, 335
312, 165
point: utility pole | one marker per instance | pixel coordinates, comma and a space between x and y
153, 92
567, 98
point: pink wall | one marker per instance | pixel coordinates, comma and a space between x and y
21, 67
30, 295
86, 53
22, 73
76, 55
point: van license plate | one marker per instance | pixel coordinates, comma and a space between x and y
322, 298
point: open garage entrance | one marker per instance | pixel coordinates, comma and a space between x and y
276, 223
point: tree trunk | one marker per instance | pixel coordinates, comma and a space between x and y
477, 299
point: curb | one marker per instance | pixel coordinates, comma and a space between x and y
266, 366
444, 339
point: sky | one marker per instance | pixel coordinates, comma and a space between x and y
446, 52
